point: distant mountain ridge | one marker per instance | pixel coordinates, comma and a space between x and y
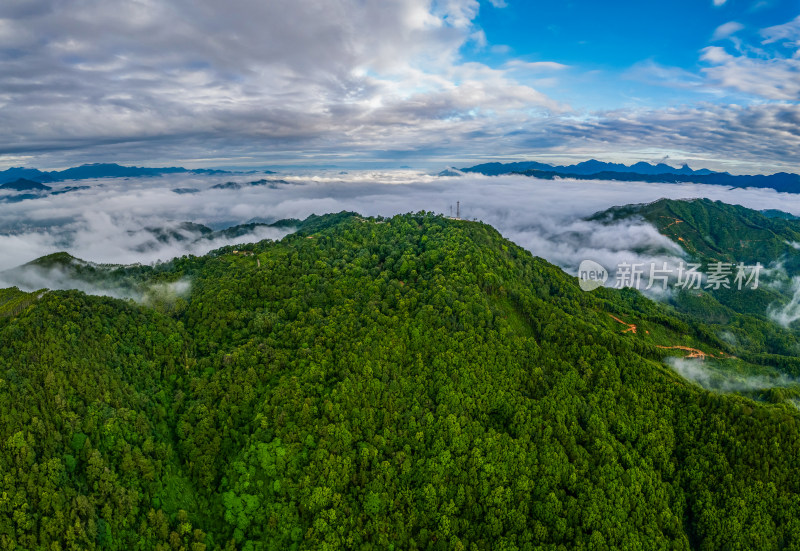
238, 185
781, 181
23, 184
27, 183
95, 170
640, 172
591, 166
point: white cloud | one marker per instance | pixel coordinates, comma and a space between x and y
651, 72
788, 32
726, 29
762, 135
352, 72
772, 72
789, 312
719, 3
535, 66
717, 378
147, 82
776, 78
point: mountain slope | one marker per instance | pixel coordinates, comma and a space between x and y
13, 301
718, 231
63, 271
714, 232
413, 382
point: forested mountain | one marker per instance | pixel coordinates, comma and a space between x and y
63, 271
763, 319
719, 231
715, 232
405, 383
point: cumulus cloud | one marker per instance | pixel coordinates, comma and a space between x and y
256, 82
726, 29
345, 73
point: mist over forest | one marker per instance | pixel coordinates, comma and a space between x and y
126, 221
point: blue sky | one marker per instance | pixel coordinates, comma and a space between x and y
618, 34
612, 48
385, 83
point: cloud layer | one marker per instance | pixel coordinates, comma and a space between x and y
120, 221
141, 81
714, 378
316, 75
790, 312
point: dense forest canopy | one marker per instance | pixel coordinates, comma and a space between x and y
404, 383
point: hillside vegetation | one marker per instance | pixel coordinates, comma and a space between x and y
403, 383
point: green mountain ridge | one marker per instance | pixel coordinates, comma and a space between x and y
718, 231
367, 383
714, 232
135, 280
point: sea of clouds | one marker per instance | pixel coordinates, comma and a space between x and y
117, 220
